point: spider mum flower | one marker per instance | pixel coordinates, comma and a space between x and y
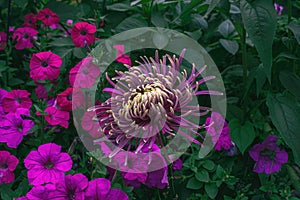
268, 156
24, 37
30, 20
45, 65
83, 34
85, 73
47, 164
8, 164
2, 40
48, 17
16, 99
56, 116
151, 100
72, 187
15, 127
99, 188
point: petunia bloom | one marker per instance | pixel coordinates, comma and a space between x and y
40, 192
24, 37
99, 188
45, 65
278, 8
71, 187
218, 129
14, 127
47, 164
121, 57
177, 165
56, 116
48, 17
8, 164
16, 99
90, 125
268, 156
41, 91
84, 73
83, 34
70, 99
3, 93
30, 20
2, 40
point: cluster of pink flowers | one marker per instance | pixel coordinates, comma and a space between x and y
46, 172
14, 105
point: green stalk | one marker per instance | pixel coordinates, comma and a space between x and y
244, 57
294, 178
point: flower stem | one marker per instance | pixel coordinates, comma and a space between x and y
289, 3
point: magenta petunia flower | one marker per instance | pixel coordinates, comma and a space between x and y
2, 40
47, 164
218, 129
278, 8
90, 125
45, 65
14, 127
85, 73
56, 116
268, 156
121, 57
8, 164
41, 91
48, 17
16, 99
83, 34
72, 187
24, 37
40, 192
3, 93
69, 22
99, 189
30, 20
177, 165
70, 99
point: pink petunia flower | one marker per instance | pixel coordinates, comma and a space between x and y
3, 93
83, 34
47, 164
72, 187
48, 17
91, 126
16, 99
41, 91
55, 116
218, 129
11, 29
14, 127
30, 20
85, 73
24, 37
99, 188
70, 99
2, 40
278, 8
40, 192
268, 156
8, 164
69, 22
45, 65
121, 57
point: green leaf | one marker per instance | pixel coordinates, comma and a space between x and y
194, 184
295, 28
285, 115
259, 18
261, 78
212, 4
119, 7
211, 189
291, 82
220, 172
158, 20
131, 22
61, 42
202, 176
160, 40
209, 165
242, 136
230, 45
15, 81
